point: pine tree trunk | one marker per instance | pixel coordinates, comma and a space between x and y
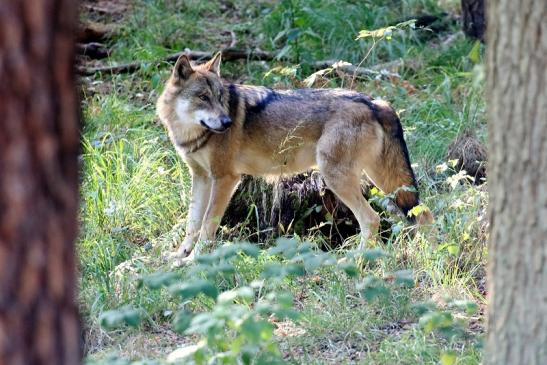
517, 100
474, 20
39, 141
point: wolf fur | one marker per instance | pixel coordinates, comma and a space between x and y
223, 130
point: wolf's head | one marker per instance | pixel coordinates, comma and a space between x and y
194, 96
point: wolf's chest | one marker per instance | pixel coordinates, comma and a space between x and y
275, 163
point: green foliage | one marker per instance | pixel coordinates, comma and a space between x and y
116, 318
237, 325
308, 30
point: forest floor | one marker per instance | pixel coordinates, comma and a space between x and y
135, 189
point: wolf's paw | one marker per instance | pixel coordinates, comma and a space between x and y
177, 261
182, 256
185, 249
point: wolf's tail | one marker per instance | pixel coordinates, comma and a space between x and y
393, 170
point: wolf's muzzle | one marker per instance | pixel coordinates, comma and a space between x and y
225, 123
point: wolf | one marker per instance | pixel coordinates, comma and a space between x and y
223, 130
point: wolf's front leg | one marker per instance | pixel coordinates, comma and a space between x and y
201, 191
221, 192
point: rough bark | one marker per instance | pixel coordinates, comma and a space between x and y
474, 19
39, 142
517, 100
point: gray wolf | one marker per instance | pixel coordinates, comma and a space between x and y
223, 130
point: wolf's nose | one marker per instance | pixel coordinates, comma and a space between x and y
226, 121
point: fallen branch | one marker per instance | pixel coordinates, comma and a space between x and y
111, 9
92, 50
95, 32
228, 54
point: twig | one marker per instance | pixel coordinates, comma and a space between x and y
374, 43
348, 68
233, 41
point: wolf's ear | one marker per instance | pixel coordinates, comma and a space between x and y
183, 69
214, 64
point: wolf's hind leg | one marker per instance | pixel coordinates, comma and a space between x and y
347, 186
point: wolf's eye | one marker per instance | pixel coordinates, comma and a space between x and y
204, 97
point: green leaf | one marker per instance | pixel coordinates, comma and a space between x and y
372, 288
404, 278
224, 268
183, 353
250, 249
310, 260
424, 307
256, 330
293, 34
203, 322
448, 358
279, 271
453, 249
284, 246
466, 305
436, 321
417, 210
306, 247
283, 52
155, 80
227, 251
386, 31
246, 293
369, 256
285, 299
119, 317
295, 269
475, 53
349, 268
376, 33
159, 279
191, 289
182, 321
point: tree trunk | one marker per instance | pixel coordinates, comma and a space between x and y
474, 20
39, 142
517, 100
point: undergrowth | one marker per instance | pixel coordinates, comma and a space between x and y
419, 301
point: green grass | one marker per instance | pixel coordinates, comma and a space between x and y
135, 189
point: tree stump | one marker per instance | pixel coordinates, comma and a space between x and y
471, 155
299, 205
473, 17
